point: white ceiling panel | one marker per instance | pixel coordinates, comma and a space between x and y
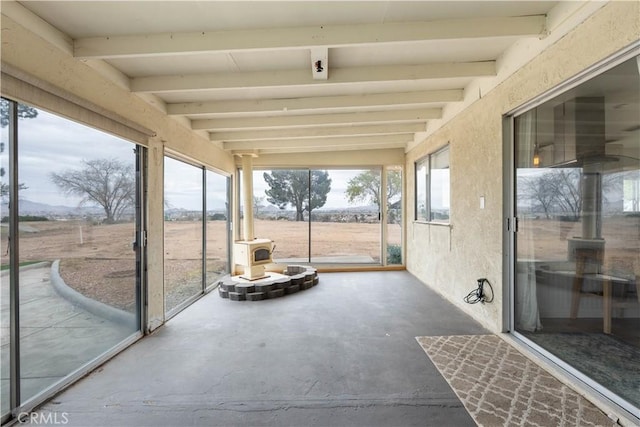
212, 63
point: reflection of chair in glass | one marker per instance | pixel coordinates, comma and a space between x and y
585, 259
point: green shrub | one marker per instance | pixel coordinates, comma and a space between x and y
394, 254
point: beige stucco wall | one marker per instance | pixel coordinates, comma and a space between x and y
450, 259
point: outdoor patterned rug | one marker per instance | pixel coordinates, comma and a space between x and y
501, 387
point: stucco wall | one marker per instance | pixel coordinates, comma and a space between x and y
450, 259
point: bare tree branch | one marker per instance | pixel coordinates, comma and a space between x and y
109, 183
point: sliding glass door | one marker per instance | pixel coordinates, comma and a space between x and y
218, 227
346, 229
196, 231
280, 212
394, 215
5, 285
576, 240
71, 273
183, 232
330, 216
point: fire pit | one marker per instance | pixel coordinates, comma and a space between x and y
295, 278
253, 255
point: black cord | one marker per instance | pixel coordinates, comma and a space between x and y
478, 295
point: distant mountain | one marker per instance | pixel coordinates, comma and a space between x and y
28, 207
270, 209
369, 208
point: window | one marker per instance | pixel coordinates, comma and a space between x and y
433, 187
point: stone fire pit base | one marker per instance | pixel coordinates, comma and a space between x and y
295, 278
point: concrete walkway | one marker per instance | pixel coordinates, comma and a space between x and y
56, 336
341, 353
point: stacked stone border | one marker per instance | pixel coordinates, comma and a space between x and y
296, 278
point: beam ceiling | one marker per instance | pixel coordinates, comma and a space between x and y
386, 71
371, 102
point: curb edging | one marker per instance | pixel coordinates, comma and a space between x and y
92, 306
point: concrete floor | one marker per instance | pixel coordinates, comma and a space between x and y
341, 353
56, 336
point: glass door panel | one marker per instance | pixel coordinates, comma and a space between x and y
345, 220
394, 215
577, 265
77, 276
280, 212
183, 232
5, 309
217, 226
326, 216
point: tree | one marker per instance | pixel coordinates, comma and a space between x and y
292, 187
365, 187
566, 187
540, 190
558, 189
257, 205
108, 182
24, 112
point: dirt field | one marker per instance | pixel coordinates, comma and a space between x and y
98, 260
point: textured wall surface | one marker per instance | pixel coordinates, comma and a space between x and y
451, 259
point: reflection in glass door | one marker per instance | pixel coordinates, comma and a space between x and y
577, 250
5, 307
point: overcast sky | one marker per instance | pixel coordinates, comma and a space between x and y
51, 144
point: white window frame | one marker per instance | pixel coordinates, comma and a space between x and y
426, 177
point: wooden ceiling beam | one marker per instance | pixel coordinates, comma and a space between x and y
309, 104
299, 78
187, 43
